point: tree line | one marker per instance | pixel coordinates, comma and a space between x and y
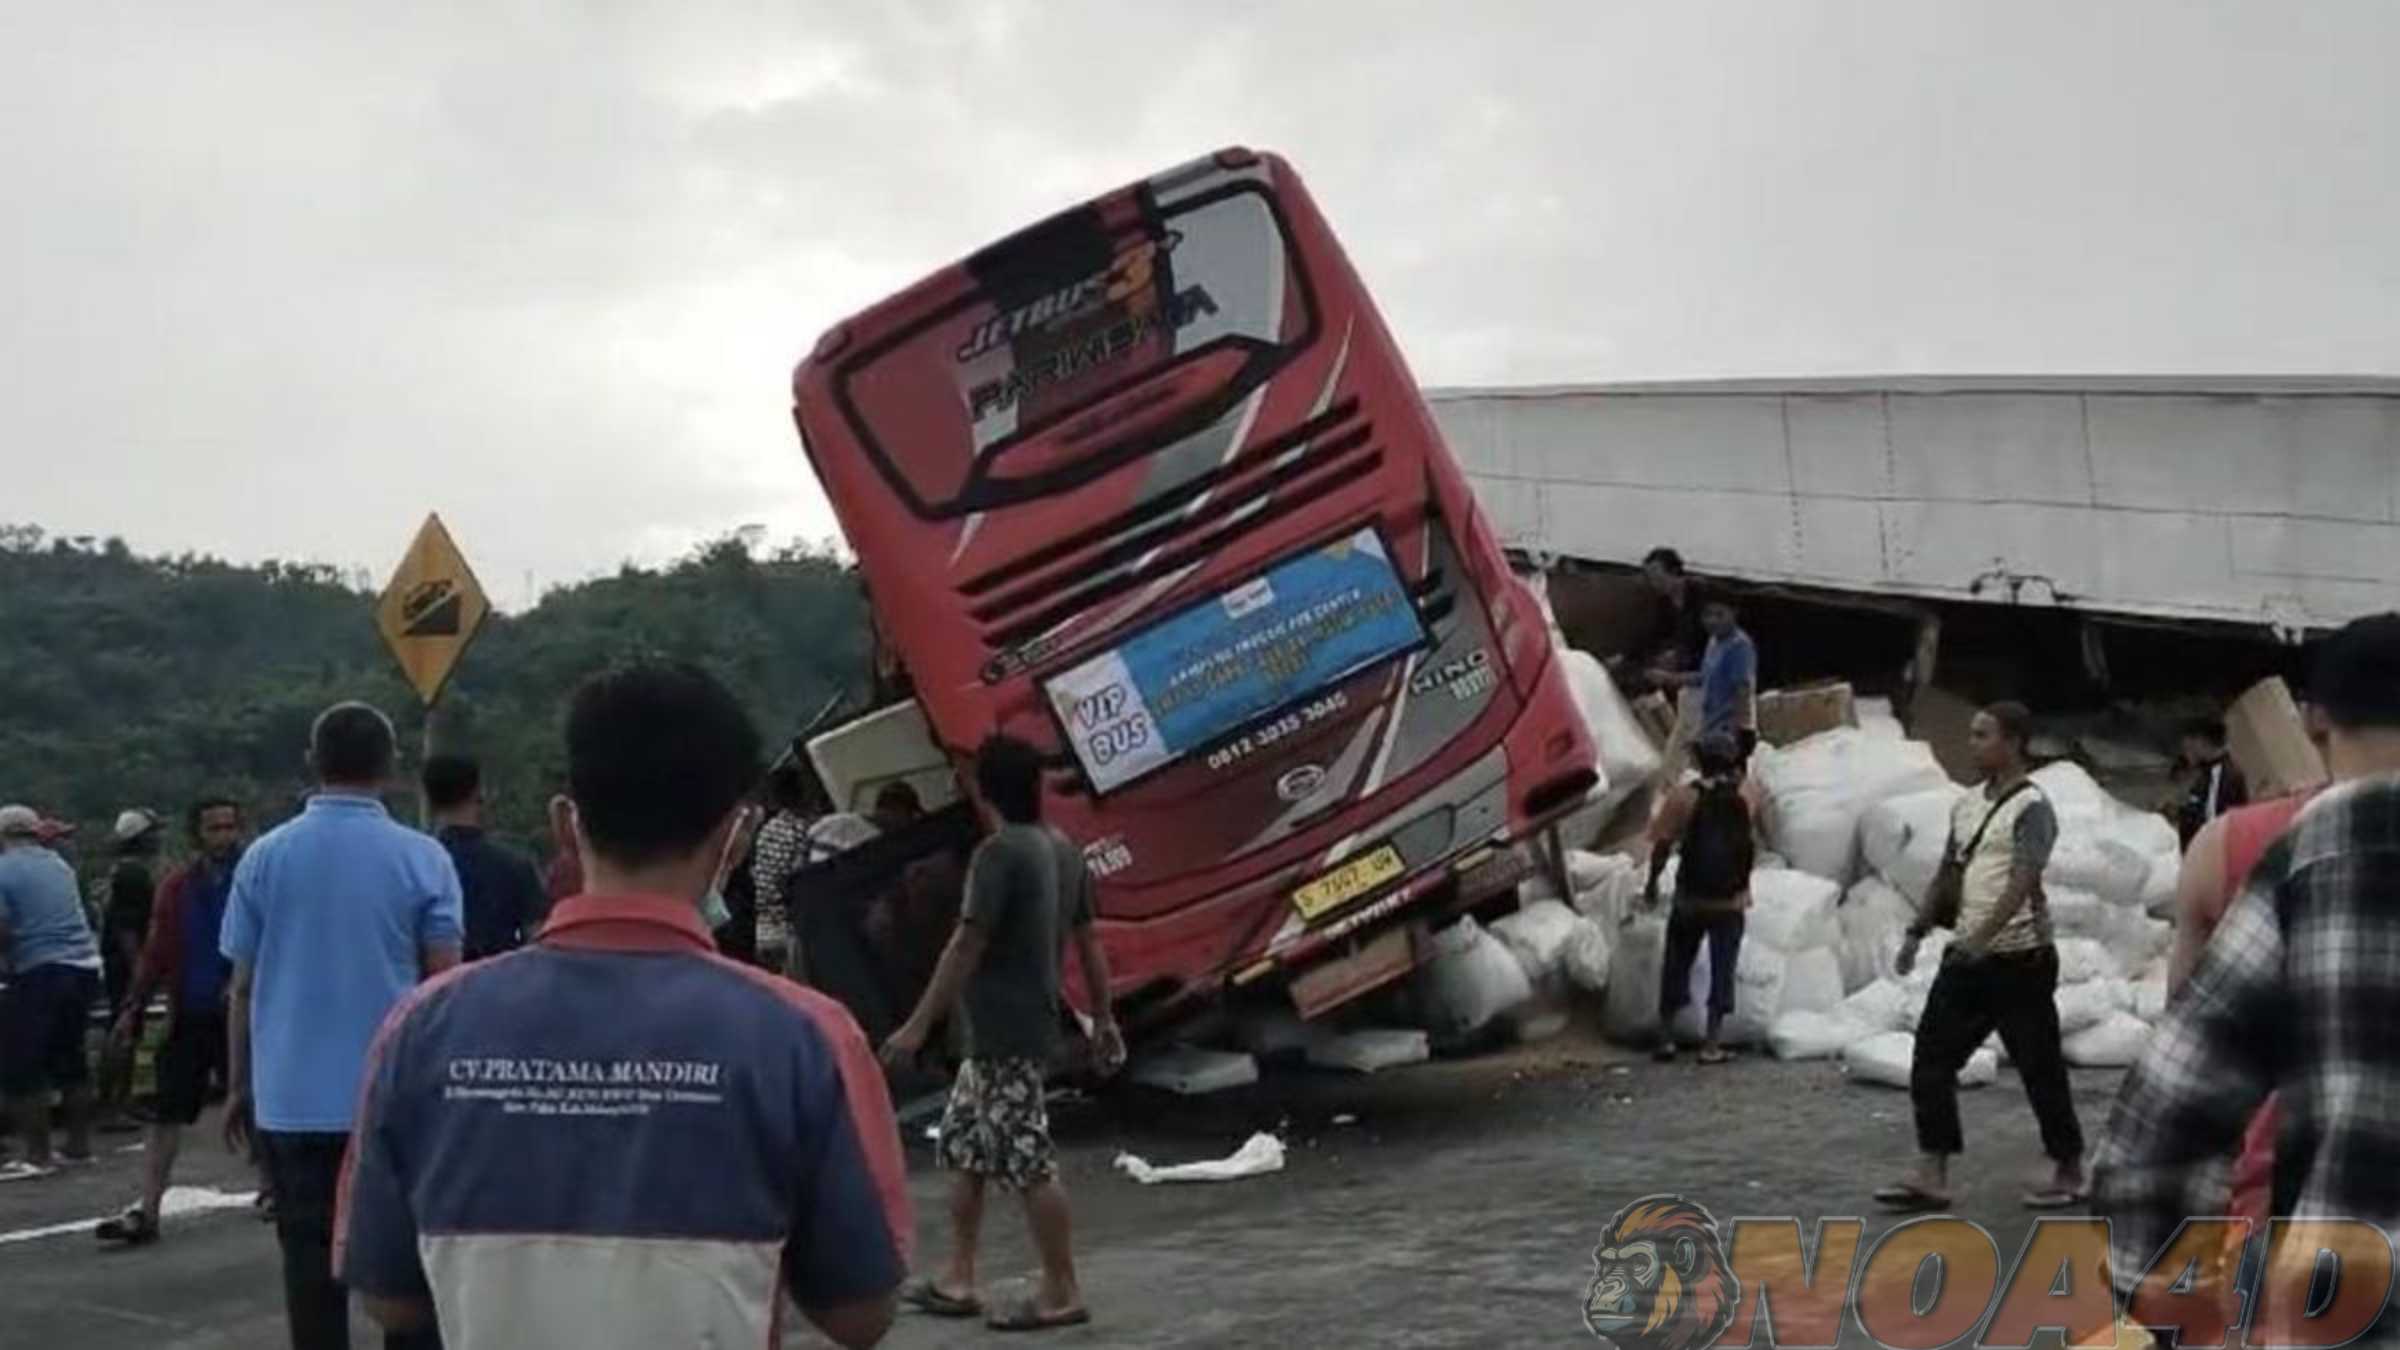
132, 681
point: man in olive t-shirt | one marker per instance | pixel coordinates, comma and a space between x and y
1027, 891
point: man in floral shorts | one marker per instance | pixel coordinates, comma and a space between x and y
1027, 892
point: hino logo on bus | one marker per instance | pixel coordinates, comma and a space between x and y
1465, 677
1301, 784
1127, 275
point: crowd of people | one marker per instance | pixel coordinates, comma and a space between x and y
431, 1054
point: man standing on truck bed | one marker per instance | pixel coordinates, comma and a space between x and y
1027, 889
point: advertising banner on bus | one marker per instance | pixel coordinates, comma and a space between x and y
1266, 652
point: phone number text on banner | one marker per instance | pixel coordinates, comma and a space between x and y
1221, 664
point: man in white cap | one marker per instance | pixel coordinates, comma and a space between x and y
124, 904
53, 967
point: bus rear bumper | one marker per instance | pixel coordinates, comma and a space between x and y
1358, 952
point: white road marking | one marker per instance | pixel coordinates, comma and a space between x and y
178, 1202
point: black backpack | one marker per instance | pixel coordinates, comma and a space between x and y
1719, 850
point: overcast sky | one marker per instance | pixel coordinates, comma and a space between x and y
281, 277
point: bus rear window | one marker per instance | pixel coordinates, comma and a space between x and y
1064, 318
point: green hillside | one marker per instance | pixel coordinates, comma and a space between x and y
127, 680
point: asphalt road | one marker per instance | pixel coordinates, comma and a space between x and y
1458, 1205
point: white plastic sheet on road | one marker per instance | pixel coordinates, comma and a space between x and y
1262, 1154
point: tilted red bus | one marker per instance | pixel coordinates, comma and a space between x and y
1149, 484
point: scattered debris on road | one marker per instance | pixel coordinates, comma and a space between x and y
1262, 1154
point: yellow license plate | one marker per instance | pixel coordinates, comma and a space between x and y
1348, 882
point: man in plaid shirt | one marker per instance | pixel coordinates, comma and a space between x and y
2298, 992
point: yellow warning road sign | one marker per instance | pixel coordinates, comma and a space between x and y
431, 610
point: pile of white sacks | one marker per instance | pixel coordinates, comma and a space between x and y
1856, 820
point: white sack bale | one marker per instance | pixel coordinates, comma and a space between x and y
2135, 941
2114, 1044
1635, 968
1919, 978
1812, 1035
1191, 1071
1759, 974
1812, 981
1587, 870
1877, 719
1628, 759
1883, 1061
1537, 937
2105, 867
1902, 837
2158, 892
2079, 801
1818, 789
1472, 981
1587, 958
1616, 894
2087, 1004
1369, 1050
2144, 832
2081, 959
2079, 913
1880, 1007
1792, 911
1873, 918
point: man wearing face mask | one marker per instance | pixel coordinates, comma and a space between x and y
740, 1122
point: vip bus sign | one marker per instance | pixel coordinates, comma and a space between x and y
1666, 1276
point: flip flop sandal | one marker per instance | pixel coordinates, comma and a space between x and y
2056, 1199
1023, 1314
925, 1297
1716, 1056
1911, 1200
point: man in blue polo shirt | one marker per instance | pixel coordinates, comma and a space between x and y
334, 916
616, 1136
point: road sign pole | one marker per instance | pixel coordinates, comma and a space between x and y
425, 752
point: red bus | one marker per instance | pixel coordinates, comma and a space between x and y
1149, 485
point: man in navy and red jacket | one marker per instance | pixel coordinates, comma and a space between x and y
179, 956
739, 1122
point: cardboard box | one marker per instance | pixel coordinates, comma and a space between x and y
1657, 717
2270, 743
1789, 715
